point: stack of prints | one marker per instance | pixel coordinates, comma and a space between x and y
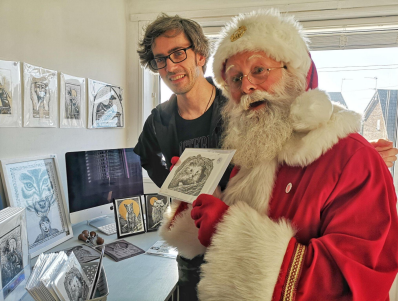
121, 249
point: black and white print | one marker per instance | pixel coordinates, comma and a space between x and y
83, 253
155, 205
10, 94
129, 216
72, 101
75, 286
121, 249
191, 176
11, 255
198, 171
105, 105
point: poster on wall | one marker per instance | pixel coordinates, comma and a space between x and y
10, 94
40, 97
72, 101
34, 183
105, 108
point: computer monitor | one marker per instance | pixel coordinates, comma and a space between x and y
96, 177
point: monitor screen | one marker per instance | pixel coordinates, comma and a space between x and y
96, 177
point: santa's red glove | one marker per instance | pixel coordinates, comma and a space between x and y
173, 161
207, 212
234, 171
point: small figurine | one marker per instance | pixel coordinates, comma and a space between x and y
100, 241
82, 237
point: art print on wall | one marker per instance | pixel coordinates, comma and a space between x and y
34, 184
10, 94
128, 216
105, 108
155, 206
40, 97
198, 171
72, 102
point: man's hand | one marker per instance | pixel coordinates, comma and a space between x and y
207, 212
386, 151
173, 161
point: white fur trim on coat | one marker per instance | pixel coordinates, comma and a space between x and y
280, 37
244, 259
183, 234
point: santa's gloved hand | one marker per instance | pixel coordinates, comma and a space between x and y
173, 161
207, 212
234, 171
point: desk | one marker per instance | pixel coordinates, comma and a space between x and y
143, 277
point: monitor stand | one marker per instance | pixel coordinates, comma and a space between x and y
101, 221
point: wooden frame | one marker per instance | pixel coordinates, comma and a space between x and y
34, 183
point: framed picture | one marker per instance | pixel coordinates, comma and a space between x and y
34, 183
155, 206
105, 105
128, 216
72, 101
40, 96
10, 94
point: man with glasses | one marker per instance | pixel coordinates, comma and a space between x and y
177, 49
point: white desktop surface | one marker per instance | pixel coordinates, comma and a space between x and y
140, 278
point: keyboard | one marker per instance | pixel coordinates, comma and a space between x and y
108, 229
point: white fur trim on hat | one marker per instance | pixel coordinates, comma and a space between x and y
280, 37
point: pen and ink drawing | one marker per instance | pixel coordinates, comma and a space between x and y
75, 286
72, 101
11, 255
191, 175
122, 249
156, 205
129, 216
34, 185
40, 97
105, 105
5, 92
83, 253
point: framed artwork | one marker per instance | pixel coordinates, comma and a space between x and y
105, 105
40, 96
34, 183
72, 101
155, 206
14, 254
10, 94
197, 171
128, 216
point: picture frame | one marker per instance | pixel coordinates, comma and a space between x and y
40, 96
105, 105
47, 216
72, 101
10, 94
129, 216
155, 206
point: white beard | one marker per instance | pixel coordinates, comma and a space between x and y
258, 135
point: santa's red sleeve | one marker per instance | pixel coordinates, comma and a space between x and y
355, 256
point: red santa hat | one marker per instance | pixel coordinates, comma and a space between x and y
280, 37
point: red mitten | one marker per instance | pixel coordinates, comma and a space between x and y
234, 171
207, 212
173, 161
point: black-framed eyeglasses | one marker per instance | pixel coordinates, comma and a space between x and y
176, 57
256, 76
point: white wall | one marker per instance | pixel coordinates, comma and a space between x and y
81, 38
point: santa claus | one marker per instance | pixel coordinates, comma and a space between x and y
310, 213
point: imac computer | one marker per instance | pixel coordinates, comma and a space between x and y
95, 178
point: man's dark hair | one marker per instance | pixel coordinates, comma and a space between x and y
164, 23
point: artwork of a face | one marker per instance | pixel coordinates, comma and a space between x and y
75, 286
191, 176
156, 206
11, 256
40, 97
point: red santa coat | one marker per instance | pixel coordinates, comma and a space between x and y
317, 223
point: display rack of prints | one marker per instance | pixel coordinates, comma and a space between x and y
72, 101
40, 96
14, 249
198, 171
10, 94
105, 105
34, 183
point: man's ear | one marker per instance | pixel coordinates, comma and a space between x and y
200, 59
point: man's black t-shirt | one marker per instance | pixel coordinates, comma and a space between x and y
194, 133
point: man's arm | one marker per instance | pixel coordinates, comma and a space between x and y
151, 156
